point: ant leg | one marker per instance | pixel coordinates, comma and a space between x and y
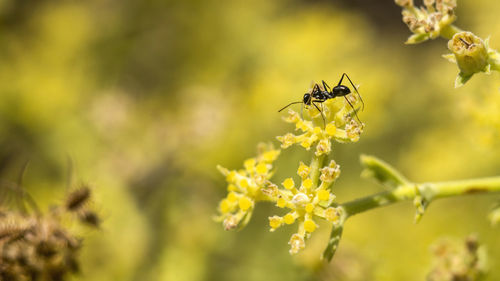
356, 89
327, 88
355, 113
321, 112
315, 89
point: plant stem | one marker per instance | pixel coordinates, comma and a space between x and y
448, 31
316, 165
429, 191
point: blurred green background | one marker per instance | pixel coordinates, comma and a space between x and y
147, 97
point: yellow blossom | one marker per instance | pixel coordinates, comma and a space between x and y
323, 195
307, 183
281, 202
245, 203
232, 197
331, 129
309, 208
332, 214
275, 222
307, 203
261, 168
289, 218
247, 186
303, 170
309, 226
288, 183
296, 243
326, 125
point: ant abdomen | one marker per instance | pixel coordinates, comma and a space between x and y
340, 90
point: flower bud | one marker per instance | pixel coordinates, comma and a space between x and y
470, 53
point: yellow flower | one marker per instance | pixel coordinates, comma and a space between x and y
306, 203
339, 125
246, 187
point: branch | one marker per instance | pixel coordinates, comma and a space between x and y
401, 190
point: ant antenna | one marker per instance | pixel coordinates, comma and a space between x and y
356, 89
289, 105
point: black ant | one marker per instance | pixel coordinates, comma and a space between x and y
320, 96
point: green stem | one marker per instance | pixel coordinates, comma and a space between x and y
429, 191
316, 165
448, 31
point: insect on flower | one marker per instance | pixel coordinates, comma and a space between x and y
319, 95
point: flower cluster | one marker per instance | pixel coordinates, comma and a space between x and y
306, 203
245, 187
340, 125
427, 22
330, 120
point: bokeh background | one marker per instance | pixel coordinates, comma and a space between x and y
145, 98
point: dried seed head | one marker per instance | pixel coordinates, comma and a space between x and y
404, 3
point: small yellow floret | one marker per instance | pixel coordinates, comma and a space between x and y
249, 163
301, 125
306, 143
309, 208
261, 168
231, 187
309, 226
296, 243
245, 203
332, 214
289, 219
231, 176
274, 222
281, 202
243, 183
232, 197
271, 155
317, 130
307, 183
323, 195
303, 170
331, 129
288, 183
225, 206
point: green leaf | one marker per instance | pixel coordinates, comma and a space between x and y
382, 172
462, 79
421, 205
450, 57
417, 38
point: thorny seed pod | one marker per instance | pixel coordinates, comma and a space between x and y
78, 198
90, 218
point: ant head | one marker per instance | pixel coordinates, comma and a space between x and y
307, 99
341, 90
